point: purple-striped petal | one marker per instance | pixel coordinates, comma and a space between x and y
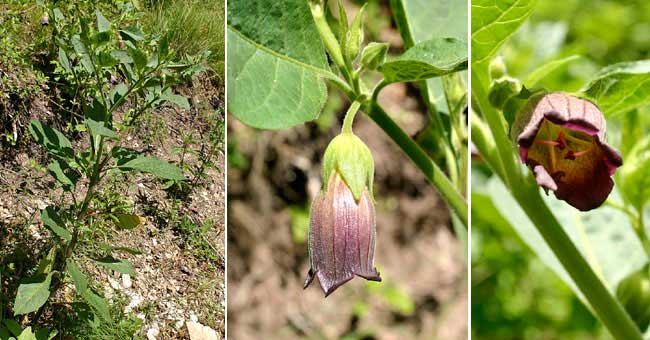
341, 237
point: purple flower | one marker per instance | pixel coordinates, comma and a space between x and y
562, 139
45, 20
341, 236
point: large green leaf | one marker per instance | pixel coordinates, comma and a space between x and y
621, 88
421, 20
54, 222
100, 129
63, 174
154, 166
31, 296
78, 277
98, 303
604, 236
120, 266
275, 63
493, 21
428, 59
53, 140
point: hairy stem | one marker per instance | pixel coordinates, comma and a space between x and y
349, 117
419, 157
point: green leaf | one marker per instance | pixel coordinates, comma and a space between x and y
275, 63
536, 76
604, 236
31, 296
128, 221
139, 58
634, 176
432, 58
98, 303
99, 129
124, 249
421, 20
13, 326
53, 140
493, 21
133, 33
120, 266
82, 53
63, 174
103, 25
179, 100
277, 92
53, 221
621, 88
285, 27
64, 61
78, 278
27, 334
156, 167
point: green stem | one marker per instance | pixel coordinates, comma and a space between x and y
606, 307
604, 304
642, 233
432, 172
505, 150
349, 117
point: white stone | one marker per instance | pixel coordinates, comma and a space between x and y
200, 332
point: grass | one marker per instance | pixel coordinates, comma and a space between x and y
195, 26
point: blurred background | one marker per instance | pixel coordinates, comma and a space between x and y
272, 179
514, 295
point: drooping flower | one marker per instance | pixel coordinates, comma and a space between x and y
342, 218
562, 139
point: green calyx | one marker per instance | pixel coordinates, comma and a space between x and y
349, 157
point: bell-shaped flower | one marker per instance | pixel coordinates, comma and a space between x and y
342, 218
562, 139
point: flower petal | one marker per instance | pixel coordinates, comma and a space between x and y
341, 237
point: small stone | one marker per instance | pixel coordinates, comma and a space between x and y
200, 332
153, 332
126, 281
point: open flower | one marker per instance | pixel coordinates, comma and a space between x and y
342, 217
562, 139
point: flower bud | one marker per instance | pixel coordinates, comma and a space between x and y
342, 217
562, 139
374, 55
634, 294
45, 20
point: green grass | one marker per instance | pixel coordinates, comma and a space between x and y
194, 27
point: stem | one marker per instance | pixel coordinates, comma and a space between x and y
433, 173
504, 146
606, 307
642, 233
349, 117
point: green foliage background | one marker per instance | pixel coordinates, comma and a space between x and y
514, 295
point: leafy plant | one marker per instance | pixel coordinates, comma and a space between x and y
276, 73
107, 67
591, 251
